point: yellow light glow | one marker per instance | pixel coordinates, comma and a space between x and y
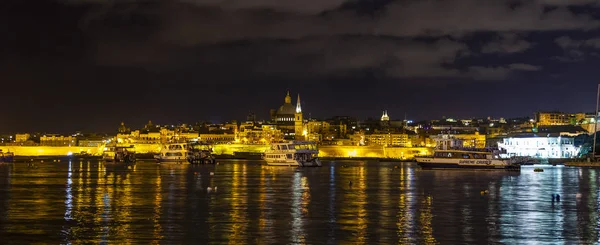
352, 153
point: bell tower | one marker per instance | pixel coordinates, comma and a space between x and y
298, 122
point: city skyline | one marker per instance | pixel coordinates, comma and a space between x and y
263, 115
84, 65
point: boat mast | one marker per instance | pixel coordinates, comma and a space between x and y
596, 120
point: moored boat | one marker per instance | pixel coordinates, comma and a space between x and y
173, 153
293, 153
119, 154
194, 153
6, 157
200, 153
460, 159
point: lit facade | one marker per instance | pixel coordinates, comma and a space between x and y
475, 140
156, 136
558, 118
217, 138
541, 147
264, 134
57, 140
400, 140
285, 115
20, 138
289, 119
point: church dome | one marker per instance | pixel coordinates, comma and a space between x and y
286, 109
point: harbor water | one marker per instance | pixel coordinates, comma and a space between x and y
246, 202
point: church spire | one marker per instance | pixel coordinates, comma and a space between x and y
298, 108
385, 116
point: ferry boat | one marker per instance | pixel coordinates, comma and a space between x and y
119, 154
195, 153
6, 157
293, 153
461, 159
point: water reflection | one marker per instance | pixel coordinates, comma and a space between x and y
238, 221
340, 203
405, 218
300, 200
5, 183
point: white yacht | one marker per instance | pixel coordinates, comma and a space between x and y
293, 153
195, 153
176, 153
461, 159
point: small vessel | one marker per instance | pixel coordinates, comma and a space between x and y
6, 157
119, 154
194, 153
461, 159
525, 160
200, 153
293, 153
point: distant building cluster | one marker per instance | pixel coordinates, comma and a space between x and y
547, 134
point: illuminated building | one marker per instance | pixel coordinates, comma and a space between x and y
590, 123
327, 130
558, 118
57, 140
289, 119
263, 134
20, 138
285, 115
475, 140
91, 140
385, 120
390, 139
122, 129
385, 116
217, 138
151, 134
549, 146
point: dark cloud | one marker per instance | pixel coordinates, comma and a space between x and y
194, 22
566, 42
290, 38
499, 72
568, 2
575, 49
507, 43
90, 51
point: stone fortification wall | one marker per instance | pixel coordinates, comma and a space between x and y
230, 149
51, 150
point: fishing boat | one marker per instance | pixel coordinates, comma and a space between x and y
464, 159
119, 154
293, 153
6, 157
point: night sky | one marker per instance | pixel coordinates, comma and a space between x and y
87, 65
